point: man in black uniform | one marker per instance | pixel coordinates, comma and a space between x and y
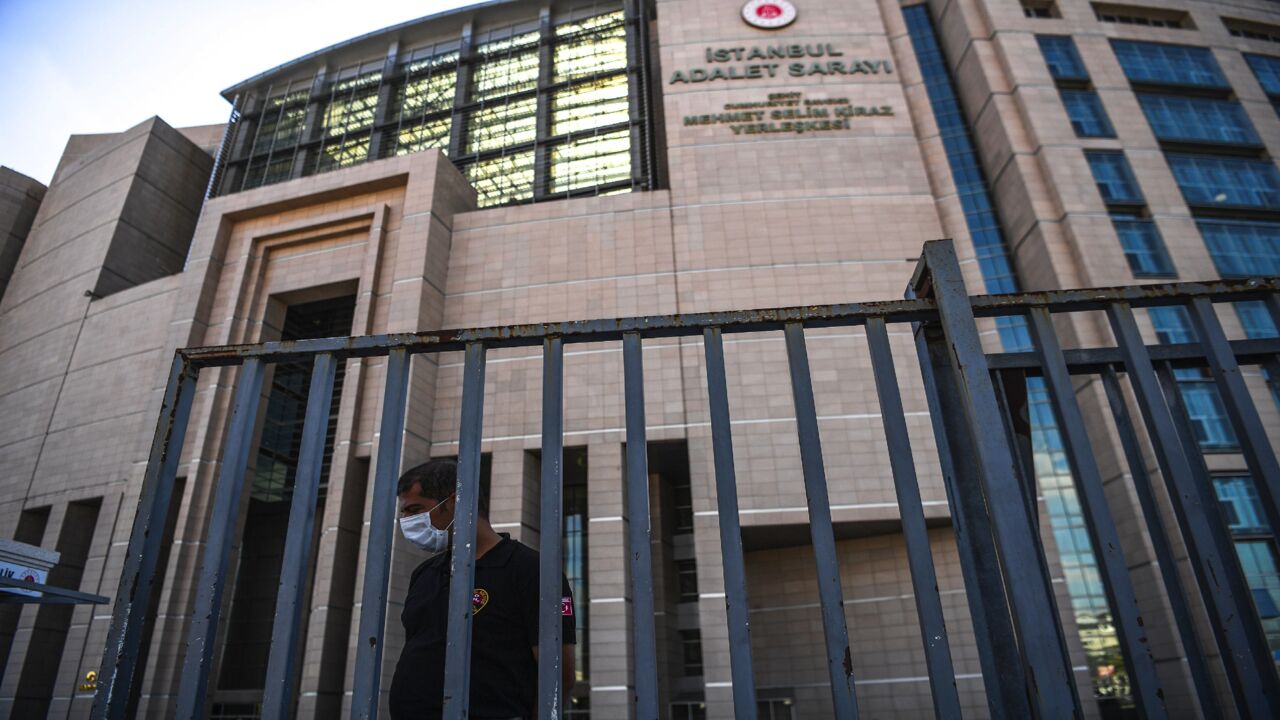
504, 625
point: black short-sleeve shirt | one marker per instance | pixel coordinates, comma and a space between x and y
504, 631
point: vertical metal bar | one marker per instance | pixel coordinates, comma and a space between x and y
377, 560
638, 534
830, 594
924, 580
1191, 647
1027, 582
1243, 646
998, 653
278, 696
1239, 406
462, 569
124, 639
551, 552
1097, 515
1015, 417
735, 573
194, 684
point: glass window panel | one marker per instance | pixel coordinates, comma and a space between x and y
352, 106
959, 147
593, 104
1267, 69
1062, 57
1143, 248
340, 154
1088, 118
1168, 64
505, 67
498, 126
425, 90
1114, 178
1240, 502
1255, 319
1200, 397
1179, 117
588, 47
591, 161
1172, 325
1226, 181
1241, 248
266, 172
503, 179
280, 124
427, 134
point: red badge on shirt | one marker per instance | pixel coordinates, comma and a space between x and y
566, 606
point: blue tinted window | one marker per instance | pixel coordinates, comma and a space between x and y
1172, 325
971, 184
1178, 117
1143, 248
1226, 181
1199, 394
1168, 64
1088, 118
1115, 179
1267, 69
1062, 58
1241, 248
1240, 505
1255, 319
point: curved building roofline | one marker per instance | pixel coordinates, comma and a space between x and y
229, 93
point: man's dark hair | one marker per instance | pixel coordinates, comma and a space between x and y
437, 479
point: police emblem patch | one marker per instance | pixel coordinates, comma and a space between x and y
479, 598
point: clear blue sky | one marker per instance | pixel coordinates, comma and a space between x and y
74, 66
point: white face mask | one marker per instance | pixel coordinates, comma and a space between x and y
418, 530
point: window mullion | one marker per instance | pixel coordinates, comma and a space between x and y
542, 151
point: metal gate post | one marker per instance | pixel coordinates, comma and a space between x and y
550, 545
1249, 666
377, 561
194, 684
735, 573
282, 662
1192, 649
821, 533
462, 567
1027, 582
639, 551
1099, 522
124, 640
915, 532
998, 652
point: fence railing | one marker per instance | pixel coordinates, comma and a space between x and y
977, 407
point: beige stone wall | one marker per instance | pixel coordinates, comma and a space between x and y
20, 198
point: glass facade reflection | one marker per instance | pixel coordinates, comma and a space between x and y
1088, 118
1053, 474
527, 112
1226, 181
1184, 118
1161, 64
1255, 549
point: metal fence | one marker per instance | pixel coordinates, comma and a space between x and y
985, 465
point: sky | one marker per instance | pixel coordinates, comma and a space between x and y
78, 67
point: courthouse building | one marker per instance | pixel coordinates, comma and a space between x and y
525, 161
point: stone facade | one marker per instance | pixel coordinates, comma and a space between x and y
127, 261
